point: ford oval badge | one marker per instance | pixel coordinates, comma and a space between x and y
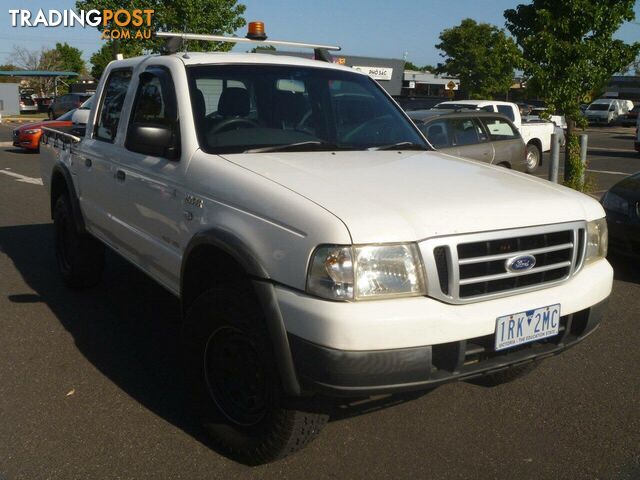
521, 263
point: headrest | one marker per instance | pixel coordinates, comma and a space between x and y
234, 102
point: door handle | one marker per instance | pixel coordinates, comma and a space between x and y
120, 175
87, 162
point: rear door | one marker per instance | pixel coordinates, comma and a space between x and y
102, 193
470, 139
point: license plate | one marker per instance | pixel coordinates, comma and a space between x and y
525, 327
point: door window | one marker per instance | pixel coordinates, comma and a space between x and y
465, 131
113, 98
437, 133
500, 129
153, 104
507, 111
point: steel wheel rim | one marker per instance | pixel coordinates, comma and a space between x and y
235, 376
532, 159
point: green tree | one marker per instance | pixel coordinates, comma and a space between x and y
102, 57
481, 55
11, 68
569, 52
69, 58
408, 65
263, 49
218, 17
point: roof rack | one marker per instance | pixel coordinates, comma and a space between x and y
255, 35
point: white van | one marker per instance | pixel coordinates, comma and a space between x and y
605, 111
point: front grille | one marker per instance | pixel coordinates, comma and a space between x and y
468, 268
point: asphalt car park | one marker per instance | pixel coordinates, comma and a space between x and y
91, 387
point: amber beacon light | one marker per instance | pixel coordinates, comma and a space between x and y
256, 31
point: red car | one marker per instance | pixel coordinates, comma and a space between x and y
28, 136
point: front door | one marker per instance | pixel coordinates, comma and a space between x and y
153, 174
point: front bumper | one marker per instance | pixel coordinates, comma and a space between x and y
363, 373
30, 142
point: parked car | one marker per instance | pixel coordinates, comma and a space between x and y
483, 136
535, 133
28, 136
622, 206
65, 103
317, 250
27, 104
631, 118
605, 111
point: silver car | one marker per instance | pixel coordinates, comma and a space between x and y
488, 137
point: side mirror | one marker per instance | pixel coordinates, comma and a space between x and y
154, 140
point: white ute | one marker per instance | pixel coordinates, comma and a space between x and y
535, 133
318, 244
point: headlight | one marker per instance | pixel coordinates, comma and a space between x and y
31, 132
366, 272
597, 240
615, 203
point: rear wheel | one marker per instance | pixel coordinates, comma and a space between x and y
80, 257
237, 390
533, 157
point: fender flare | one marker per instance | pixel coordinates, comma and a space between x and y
61, 169
264, 288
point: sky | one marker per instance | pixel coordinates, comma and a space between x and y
377, 28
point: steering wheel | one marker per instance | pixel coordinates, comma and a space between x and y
365, 128
229, 122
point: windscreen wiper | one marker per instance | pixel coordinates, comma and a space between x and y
401, 146
311, 145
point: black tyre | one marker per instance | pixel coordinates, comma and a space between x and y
505, 376
236, 387
80, 257
533, 158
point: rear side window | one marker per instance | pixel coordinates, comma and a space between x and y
507, 111
113, 98
466, 131
437, 132
500, 129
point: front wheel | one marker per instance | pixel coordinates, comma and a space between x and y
236, 387
533, 158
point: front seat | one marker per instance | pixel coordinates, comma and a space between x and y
234, 102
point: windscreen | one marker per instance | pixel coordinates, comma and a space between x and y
598, 106
246, 107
